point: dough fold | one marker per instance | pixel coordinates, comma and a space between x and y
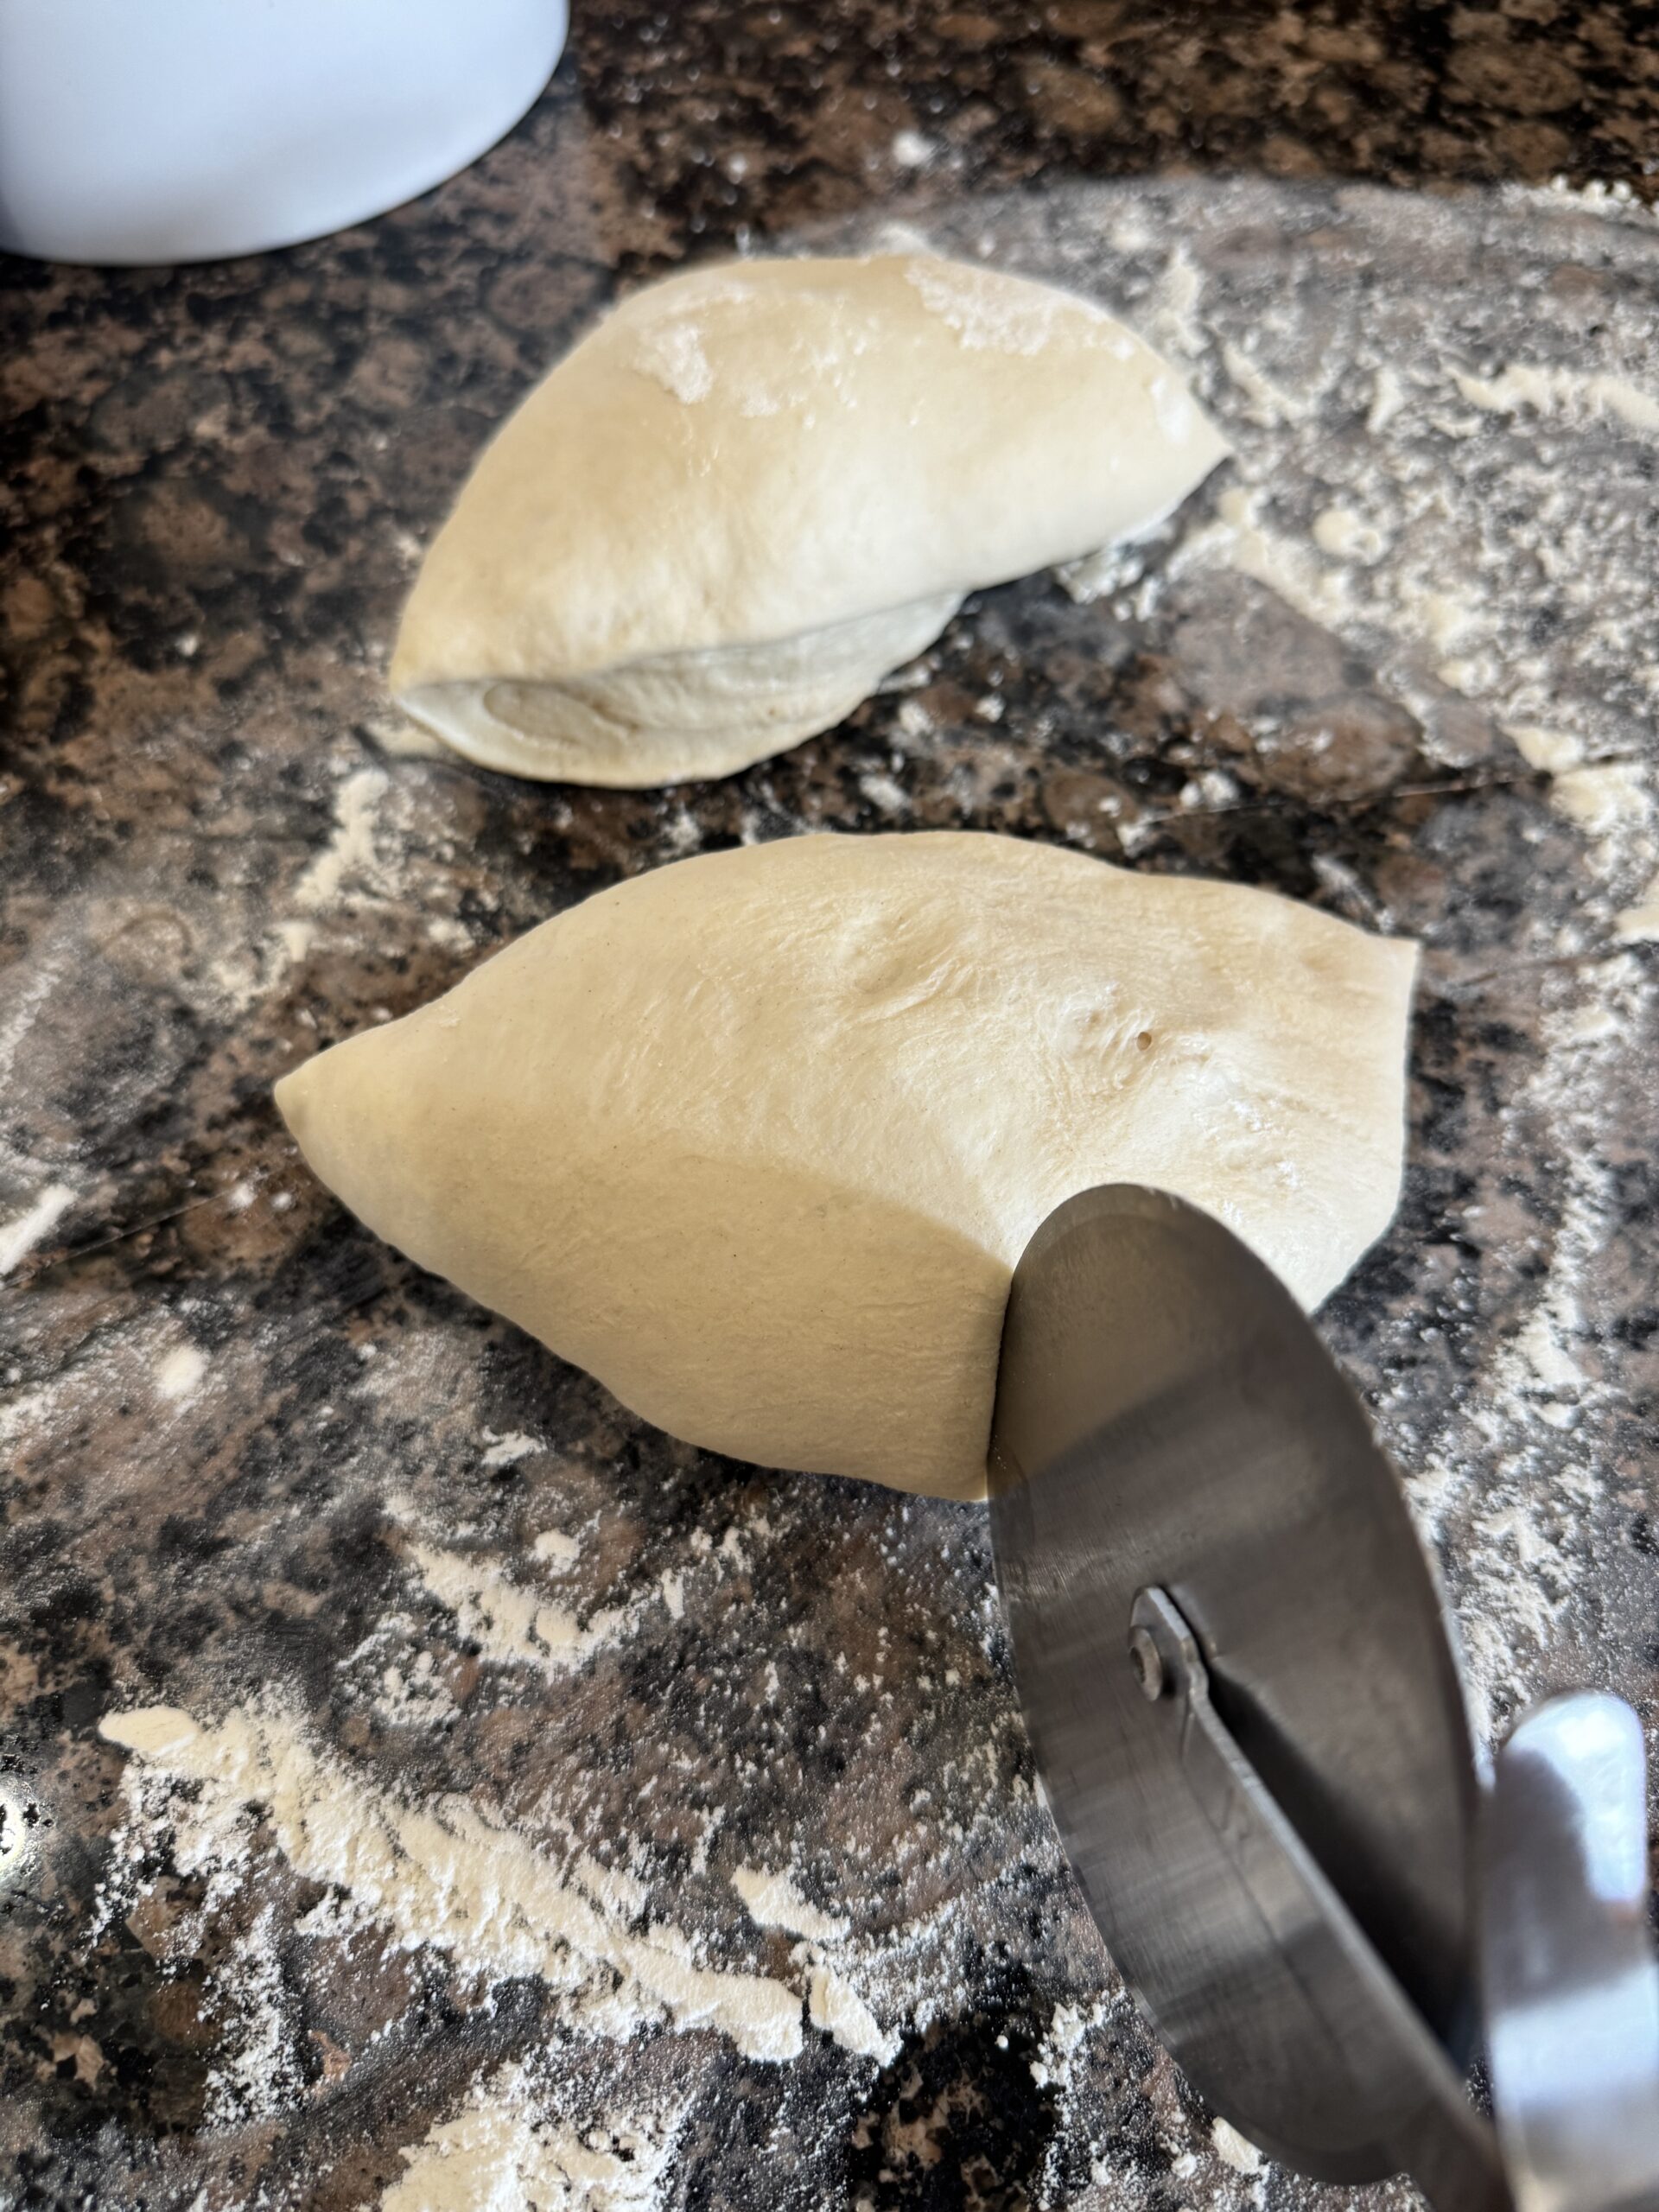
754, 489
758, 1137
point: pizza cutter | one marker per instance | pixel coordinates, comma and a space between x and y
1238, 1674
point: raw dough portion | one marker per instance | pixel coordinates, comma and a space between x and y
754, 489
757, 1138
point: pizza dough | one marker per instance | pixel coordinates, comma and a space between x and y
759, 1138
754, 490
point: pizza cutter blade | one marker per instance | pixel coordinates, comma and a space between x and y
1239, 1679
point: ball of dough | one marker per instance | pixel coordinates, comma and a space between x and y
759, 1138
754, 490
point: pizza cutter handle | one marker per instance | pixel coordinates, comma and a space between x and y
1570, 1983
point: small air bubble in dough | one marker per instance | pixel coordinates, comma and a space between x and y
757, 1138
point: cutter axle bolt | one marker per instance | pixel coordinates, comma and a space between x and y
1147, 1662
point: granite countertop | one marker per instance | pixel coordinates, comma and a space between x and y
256, 1466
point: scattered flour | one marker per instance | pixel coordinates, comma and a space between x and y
1347, 537
833, 2003
774, 1901
1285, 563
293, 941
1641, 921
1265, 401
349, 854
441, 1876
986, 318
1596, 197
1510, 570
19, 1236
1111, 572
883, 791
511, 1625
1067, 2028
670, 351
1564, 391
1549, 750
1235, 2150
507, 1451
507, 2151
256, 2073
1524, 1499
180, 1374
411, 1692
32, 997
1388, 395
1171, 315
1607, 802
835, 2006
16, 1847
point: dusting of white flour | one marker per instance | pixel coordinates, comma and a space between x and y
508, 2149
987, 317
180, 1374
19, 1236
512, 1625
834, 2005
671, 354
774, 1901
439, 1875
350, 855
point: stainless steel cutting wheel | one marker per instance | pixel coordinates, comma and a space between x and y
1237, 1668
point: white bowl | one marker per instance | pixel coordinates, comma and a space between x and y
160, 130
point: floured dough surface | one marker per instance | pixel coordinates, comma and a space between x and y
754, 489
757, 1138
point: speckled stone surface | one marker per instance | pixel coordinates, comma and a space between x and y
229, 1418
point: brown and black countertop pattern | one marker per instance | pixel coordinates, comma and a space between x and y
217, 853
